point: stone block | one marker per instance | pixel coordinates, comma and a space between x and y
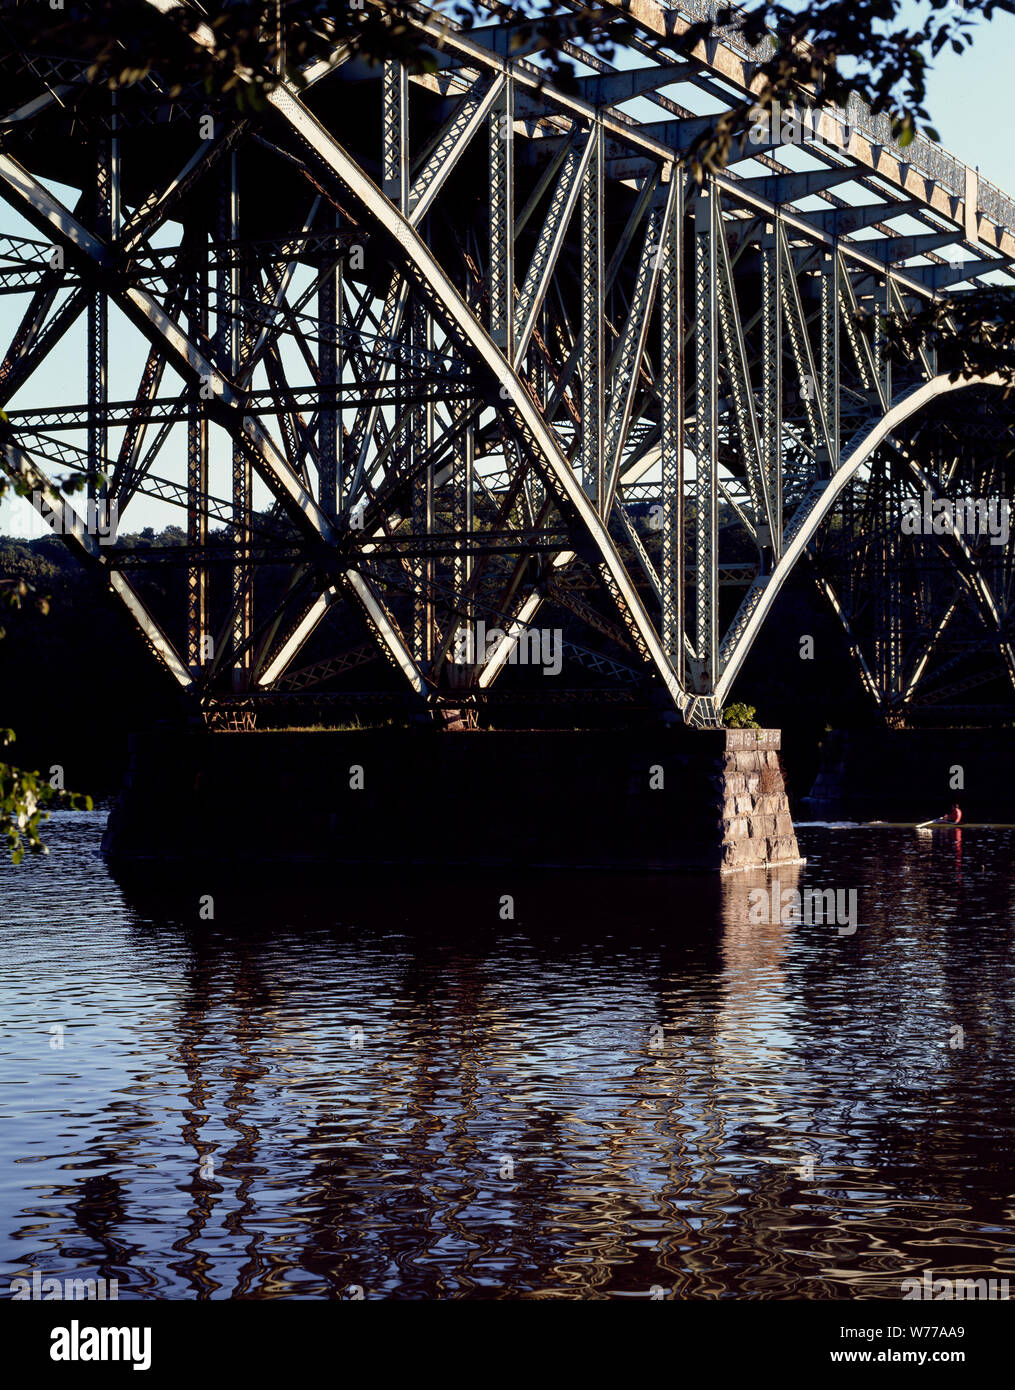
782, 848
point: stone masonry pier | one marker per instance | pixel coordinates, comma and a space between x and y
649, 799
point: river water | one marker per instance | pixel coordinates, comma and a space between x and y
363, 1084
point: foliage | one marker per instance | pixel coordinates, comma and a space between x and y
740, 716
826, 53
246, 47
831, 49
24, 797
973, 334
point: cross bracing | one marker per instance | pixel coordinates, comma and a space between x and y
412, 352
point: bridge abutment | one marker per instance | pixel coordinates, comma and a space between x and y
666, 799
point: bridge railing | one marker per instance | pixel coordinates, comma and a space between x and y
921, 154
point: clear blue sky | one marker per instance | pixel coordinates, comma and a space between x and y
969, 100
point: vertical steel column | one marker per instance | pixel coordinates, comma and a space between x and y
706, 369
97, 392
329, 314
893, 587
106, 222
242, 608
422, 491
671, 388
830, 270
114, 166
197, 482
771, 377
877, 347
502, 233
593, 473
463, 481
395, 133
886, 360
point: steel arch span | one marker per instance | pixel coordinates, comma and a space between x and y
466, 394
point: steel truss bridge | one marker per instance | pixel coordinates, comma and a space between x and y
411, 352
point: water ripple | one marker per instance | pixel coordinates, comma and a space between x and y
634, 1089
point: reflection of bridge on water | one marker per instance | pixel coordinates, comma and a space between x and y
419, 351
659, 1093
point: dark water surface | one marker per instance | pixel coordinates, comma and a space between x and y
629, 1087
